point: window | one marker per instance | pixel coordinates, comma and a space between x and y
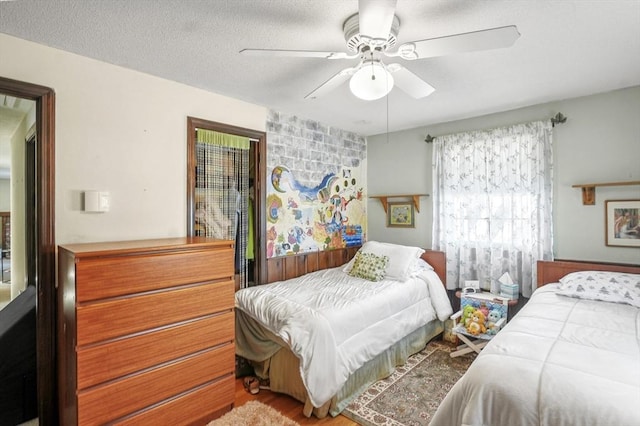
492, 203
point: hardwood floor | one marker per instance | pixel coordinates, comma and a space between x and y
287, 406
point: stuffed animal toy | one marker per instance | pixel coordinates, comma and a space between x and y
474, 328
483, 308
466, 315
494, 316
477, 324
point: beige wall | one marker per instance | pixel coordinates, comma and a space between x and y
120, 131
5, 198
18, 203
600, 142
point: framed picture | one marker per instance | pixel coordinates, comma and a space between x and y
623, 223
401, 215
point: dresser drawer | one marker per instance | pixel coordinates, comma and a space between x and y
118, 317
118, 398
102, 362
120, 275
183, 410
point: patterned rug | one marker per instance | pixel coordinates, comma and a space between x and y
411, 395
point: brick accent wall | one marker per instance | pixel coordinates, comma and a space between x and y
316, 186
310, 149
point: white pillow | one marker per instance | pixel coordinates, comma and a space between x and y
402, 259
616, 287
420, 265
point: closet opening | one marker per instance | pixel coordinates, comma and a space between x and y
225, 186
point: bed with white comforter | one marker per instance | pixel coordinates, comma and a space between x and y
564, 359
335, 323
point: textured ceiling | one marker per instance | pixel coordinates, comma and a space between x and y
566, 49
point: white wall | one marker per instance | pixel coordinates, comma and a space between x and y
600, 142
399, 164
120, 131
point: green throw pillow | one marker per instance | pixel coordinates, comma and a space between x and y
369, 266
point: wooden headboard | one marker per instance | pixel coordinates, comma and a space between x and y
438, 260
287, 267
552, 271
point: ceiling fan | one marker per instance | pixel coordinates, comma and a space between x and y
371, 34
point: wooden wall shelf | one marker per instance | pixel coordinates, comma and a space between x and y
589, 190
414, 197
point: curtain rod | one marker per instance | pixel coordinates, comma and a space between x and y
559, 118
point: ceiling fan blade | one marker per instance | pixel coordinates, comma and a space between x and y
376, 17
493, 38
410, 83
297, 53
332, 83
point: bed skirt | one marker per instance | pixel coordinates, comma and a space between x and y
273, 360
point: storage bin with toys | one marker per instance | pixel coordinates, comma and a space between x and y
481, 315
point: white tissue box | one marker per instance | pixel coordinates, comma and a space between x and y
510, 291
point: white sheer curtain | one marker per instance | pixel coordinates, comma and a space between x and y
492, 201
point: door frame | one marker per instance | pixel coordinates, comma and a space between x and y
259, 185
45, 249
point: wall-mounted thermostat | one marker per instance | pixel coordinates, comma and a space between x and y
96, 201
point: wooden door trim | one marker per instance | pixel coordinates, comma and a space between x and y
45, 244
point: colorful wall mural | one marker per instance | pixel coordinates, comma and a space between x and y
303, 218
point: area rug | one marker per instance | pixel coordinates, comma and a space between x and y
411, 395
253, 413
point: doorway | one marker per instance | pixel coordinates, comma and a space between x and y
256, 273
41, 256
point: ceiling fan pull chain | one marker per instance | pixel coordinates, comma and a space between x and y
373, 71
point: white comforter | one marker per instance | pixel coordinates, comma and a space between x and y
334, 323
560, 361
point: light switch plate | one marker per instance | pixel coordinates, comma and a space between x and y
96, 201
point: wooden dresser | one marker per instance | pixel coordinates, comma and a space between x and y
146, 331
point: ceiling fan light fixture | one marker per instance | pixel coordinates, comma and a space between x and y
372, 81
